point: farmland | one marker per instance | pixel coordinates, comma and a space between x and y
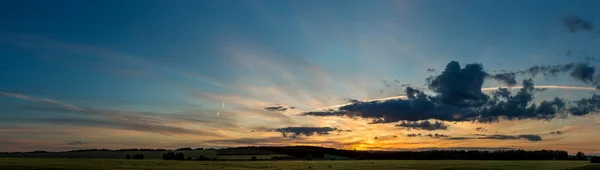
223, 154
97, 164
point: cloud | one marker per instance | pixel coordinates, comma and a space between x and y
423, 125
76, 143
586, 105
583, 72
508, 137
558, 132
574, 24
118, 119
579, 71
276, 108
436, 135
480, 129
294, 132
459, 86
458, 97
529, 137
508, 79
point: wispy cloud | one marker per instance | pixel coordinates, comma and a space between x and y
529, 137
118, 118
76, 143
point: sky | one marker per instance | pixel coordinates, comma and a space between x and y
366, 75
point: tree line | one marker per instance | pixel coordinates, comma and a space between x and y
312, 152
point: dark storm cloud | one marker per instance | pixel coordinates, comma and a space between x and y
583, 72
579, 71
586, 105
431, 70
508, 79
276, 108
529, 137
547, 70
458, 97
423, 125
76, 143
575, 23
459, 86
294, 132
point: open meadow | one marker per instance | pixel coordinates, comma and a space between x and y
101, 164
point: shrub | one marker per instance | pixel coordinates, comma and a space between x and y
595, 159
253, 158
173, 156
202, 158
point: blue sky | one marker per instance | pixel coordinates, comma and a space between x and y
156, 70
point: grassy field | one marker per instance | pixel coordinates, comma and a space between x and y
147, 155
111, 154
97, 164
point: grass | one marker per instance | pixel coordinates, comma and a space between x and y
98, 164
248, 157
112, 154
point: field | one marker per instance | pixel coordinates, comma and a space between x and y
98, 164
229, 154
111, 154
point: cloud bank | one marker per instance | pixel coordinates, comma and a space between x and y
294, 132
458, 97
529, 137
423, 125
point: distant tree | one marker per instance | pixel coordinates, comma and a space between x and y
595, 159
309, 157
189, 158
127, 157
580, 156
253, 158
180, 156
173, 156
184, 149
214, 159
202, 158
138, 156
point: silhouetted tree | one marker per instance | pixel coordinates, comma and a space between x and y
595, 159
202, 158
173, 156
127, 157
580, 156
253, 158
189, 158
184, 149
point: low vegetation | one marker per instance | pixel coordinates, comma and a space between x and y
102, 164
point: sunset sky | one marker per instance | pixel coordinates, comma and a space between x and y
172, 74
